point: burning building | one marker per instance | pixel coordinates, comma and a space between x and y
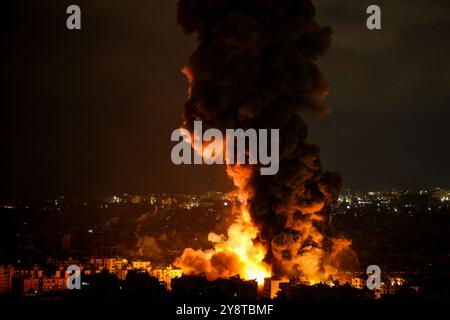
256, 67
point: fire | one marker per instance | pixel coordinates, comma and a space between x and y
240, 253
252, 70
244, 232
235, 253
240, 242
253, 255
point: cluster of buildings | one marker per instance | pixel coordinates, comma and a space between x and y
37, 280
54, 277
295, 288
276, 288
183, 201
435, 196
207, 200
393, 201
389, 285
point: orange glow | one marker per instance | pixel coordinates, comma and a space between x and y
243, 232
233, 253
239, 251
240, 243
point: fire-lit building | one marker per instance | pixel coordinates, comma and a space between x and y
31, 285
6, 273
358, 282
141, 265
54, 284
166, 274
271, 287
103, 263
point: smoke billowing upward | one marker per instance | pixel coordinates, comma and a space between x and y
255, 67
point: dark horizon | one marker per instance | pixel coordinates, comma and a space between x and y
90, 112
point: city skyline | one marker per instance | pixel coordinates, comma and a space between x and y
131, 236
225, 157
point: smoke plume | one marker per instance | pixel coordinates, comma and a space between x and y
256, 67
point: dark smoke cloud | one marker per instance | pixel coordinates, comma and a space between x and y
255, 67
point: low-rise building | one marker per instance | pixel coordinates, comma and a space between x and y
271, 287
6, 273
54, 284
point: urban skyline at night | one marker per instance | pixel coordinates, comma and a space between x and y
225, 158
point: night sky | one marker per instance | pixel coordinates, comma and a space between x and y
90, 112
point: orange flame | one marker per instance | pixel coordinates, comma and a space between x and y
235, 253
238, 252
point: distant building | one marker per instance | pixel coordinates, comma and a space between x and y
271, 287
389, 287
166, 275
6, 273
121, 274
54, 284
358, 283
141, 265
103, 263
30, 285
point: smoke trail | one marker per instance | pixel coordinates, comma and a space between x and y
255, 67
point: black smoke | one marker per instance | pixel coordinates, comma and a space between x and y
256, 67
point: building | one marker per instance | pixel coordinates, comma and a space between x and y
358, 283
30, 286
166, 275
6, 273
52, 284
103, 263
271, 287
141, 265
234, 288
